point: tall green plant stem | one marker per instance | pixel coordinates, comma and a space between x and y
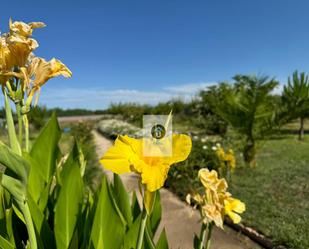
141, 232
203, 235
20, 123
207, 246
26, 126
29, 223
15, 146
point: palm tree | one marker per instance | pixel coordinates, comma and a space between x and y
295, 96
247, 106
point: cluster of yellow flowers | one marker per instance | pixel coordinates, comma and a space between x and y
226, 158
216, 202
20, 71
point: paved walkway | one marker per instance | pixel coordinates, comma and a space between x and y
180, 222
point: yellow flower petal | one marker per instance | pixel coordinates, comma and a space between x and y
119, 157
234, 217
237, 205
44, 70
232, 207
182, 146
154, 176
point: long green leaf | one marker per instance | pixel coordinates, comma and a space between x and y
108, 230
41, 225
123, 199
36, 181
4, 244
132, 234
162, 242
11, 127
45, 148
68, 206
155, 216
16, 166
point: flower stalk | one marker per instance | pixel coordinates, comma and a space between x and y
20, 122
26, 127
142, 228
203, 235
210, 227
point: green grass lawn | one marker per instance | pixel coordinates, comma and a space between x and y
276, 192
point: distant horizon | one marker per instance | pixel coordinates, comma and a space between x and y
185, 92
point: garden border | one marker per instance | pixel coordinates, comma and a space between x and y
254, 235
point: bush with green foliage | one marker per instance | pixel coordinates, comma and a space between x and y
295, 98
246, 106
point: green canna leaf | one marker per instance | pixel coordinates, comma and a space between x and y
135, 207
4, 244
122, 199
155, 216
45, 148
68, 206
16, 167
11, 127
108, 229
162, 242
36, 181
45, 235
131, 235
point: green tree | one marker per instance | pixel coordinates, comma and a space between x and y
295, 97
246, 106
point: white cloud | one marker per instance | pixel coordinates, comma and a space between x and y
278, 90
98, 98
190, 88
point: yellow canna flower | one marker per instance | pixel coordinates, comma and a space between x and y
6, 62
226, 158
127, 156
42, 70
212, 213
23, 29
230, 160
16, 47
233, 207
17, 60
216, 202
210, 180
220, 153
20, 48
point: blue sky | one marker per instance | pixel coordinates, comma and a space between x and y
150, 51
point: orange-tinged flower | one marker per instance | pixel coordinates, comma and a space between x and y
216, 202
16, 47
42, 70
210, 180
20, 48
23, 29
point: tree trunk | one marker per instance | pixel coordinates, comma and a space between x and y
301, 131
249, 152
